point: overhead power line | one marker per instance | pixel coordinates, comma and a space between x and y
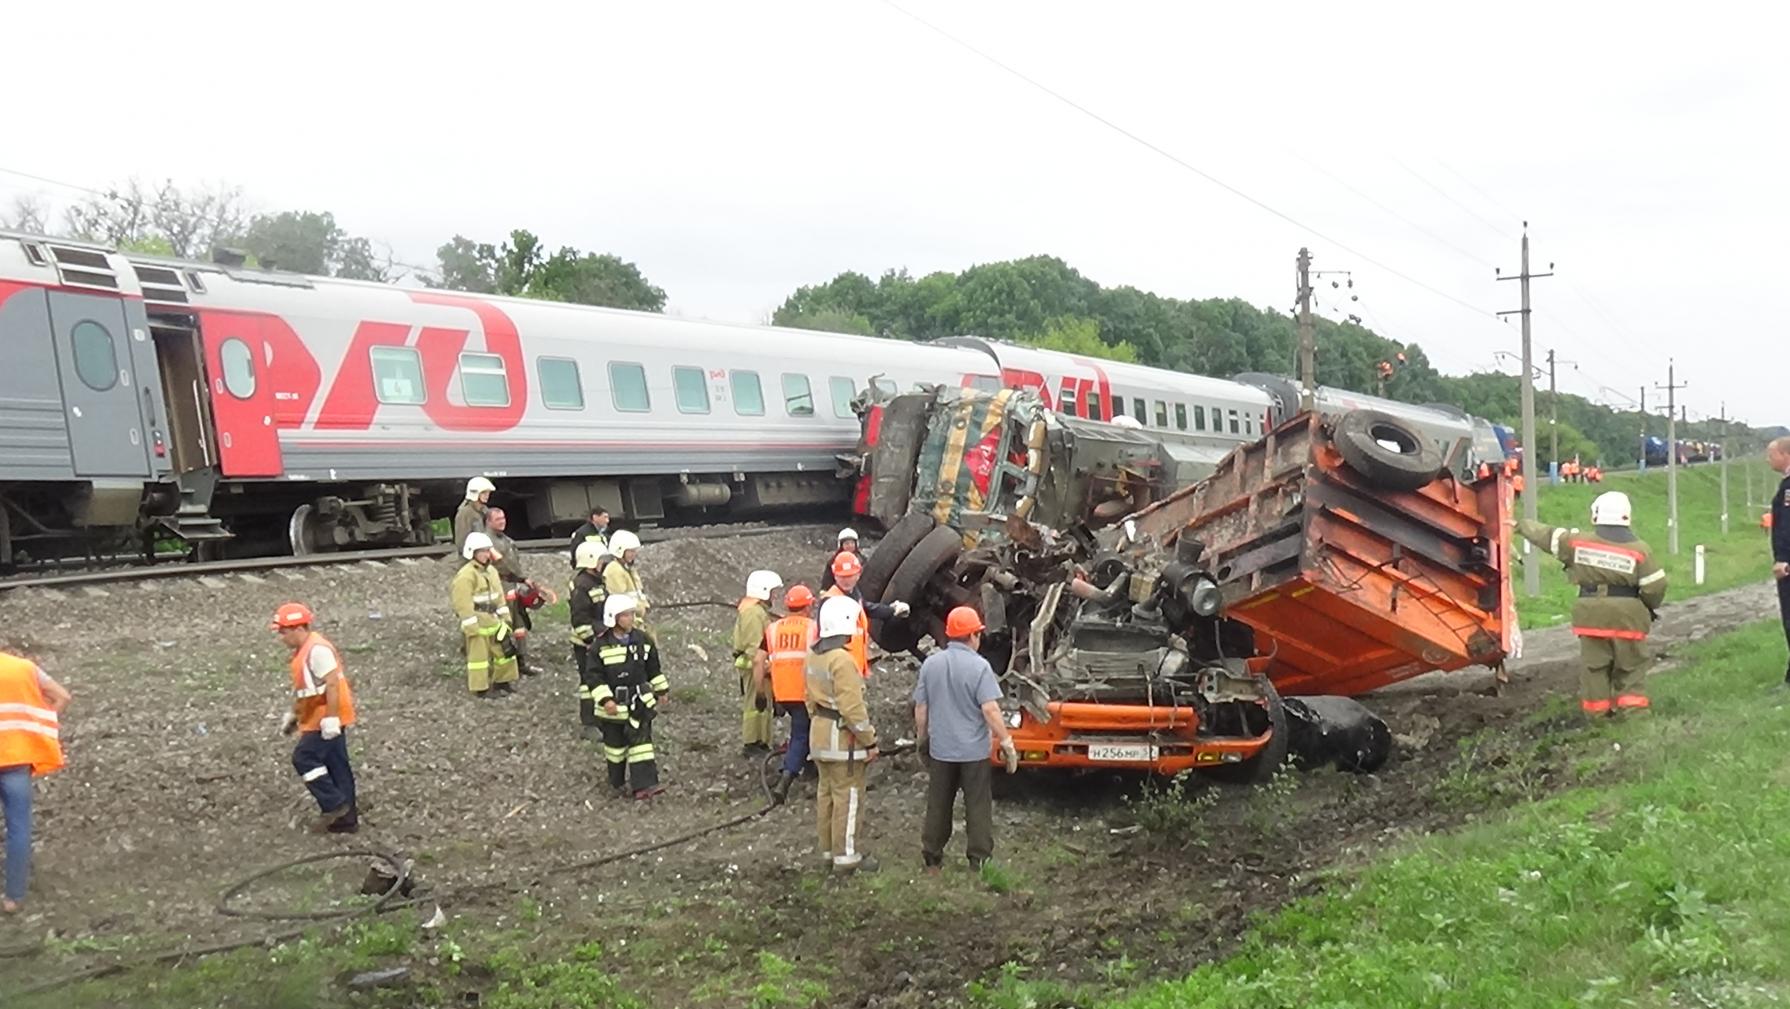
1183, 163
1500, 232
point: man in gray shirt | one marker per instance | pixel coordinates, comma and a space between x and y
957, 717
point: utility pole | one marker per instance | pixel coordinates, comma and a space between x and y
1554, 414
1308, 340
1724, 445
1531, 570
1671, 387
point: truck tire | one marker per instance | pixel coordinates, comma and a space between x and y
1387, 451
1259, 769
886, 557
936, 550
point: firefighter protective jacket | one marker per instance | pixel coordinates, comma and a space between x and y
748, 631
841, 729
1619, 582
621, 579
586, 601
477, 596
628, 670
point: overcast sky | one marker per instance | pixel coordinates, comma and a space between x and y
737, 150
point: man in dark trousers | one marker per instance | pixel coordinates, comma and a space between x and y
957, 718
1777, 454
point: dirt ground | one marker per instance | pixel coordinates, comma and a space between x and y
178, 784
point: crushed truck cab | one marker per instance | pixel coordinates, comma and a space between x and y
1143, 621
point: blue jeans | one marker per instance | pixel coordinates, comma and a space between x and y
797, 754
15, 798
322, 764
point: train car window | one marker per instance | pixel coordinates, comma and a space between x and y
1095, 412
1067, 404
239, 368
96, 356
1138, 411
748, 394
397, 375
1199, 418
560, 388
885, 387
1162, 414
483, 381
985, 383
692, 389
798, 396
627, 387
1180, 416
843, 390
1235, 428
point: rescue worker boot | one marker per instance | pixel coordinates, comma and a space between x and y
780, 791
649, 792
326, 821
503, 689
863, 864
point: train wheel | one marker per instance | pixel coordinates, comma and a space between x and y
880, 565
301, 532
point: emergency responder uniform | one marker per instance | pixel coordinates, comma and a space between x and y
748, 636
847, 544
841, 740
1620, 586
627, 696
320, 719
477, 597
586, 606
783, 662
520, 593
847, 568
621, 577
471, 516
590, 532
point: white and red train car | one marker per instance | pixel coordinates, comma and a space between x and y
149, 398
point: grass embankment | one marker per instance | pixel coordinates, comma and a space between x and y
1657, 882
1741, 556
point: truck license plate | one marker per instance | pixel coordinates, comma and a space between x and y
1121, 752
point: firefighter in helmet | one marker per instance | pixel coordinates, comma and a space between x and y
621, 576
847, 543
1620, 586
586, 604
847, 569
842, 742
748, 635
473, 514
520, 592
782, 660
630, 690
477, 597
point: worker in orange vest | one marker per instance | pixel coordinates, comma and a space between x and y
31, 705
322, 710
783, 659
847, 569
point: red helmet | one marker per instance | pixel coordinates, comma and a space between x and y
847, 566
291, 615
799, 597
962, 622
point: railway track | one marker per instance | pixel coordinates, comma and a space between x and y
252, 566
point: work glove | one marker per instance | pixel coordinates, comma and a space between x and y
332, 727
901, 609
742, 662
760, 703
288, 723
1010, 755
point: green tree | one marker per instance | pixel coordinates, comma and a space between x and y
521, 267
1075, 335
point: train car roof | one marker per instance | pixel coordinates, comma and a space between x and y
1135, 376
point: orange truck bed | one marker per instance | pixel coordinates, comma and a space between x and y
1348, 586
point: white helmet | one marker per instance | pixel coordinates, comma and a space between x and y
847, 533
615, 606
623, 541
474, 543
759, 584
1611, 509
839, 615
590, 554
478, 485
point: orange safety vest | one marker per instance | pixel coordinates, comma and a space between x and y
859, 645
28, 726
313, 704
787, 642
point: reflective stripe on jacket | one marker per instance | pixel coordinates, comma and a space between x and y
1597, 561
30, 731
313, 703
477, 597
786, 642
841, 729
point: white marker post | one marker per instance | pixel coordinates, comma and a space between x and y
1699, 564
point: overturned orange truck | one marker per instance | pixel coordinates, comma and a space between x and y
1142, 621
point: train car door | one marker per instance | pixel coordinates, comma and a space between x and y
239, 361
93, 365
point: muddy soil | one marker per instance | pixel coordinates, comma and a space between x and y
178, 783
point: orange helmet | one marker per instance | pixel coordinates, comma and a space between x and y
799, 597
847, 566
962, 622
291, 615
